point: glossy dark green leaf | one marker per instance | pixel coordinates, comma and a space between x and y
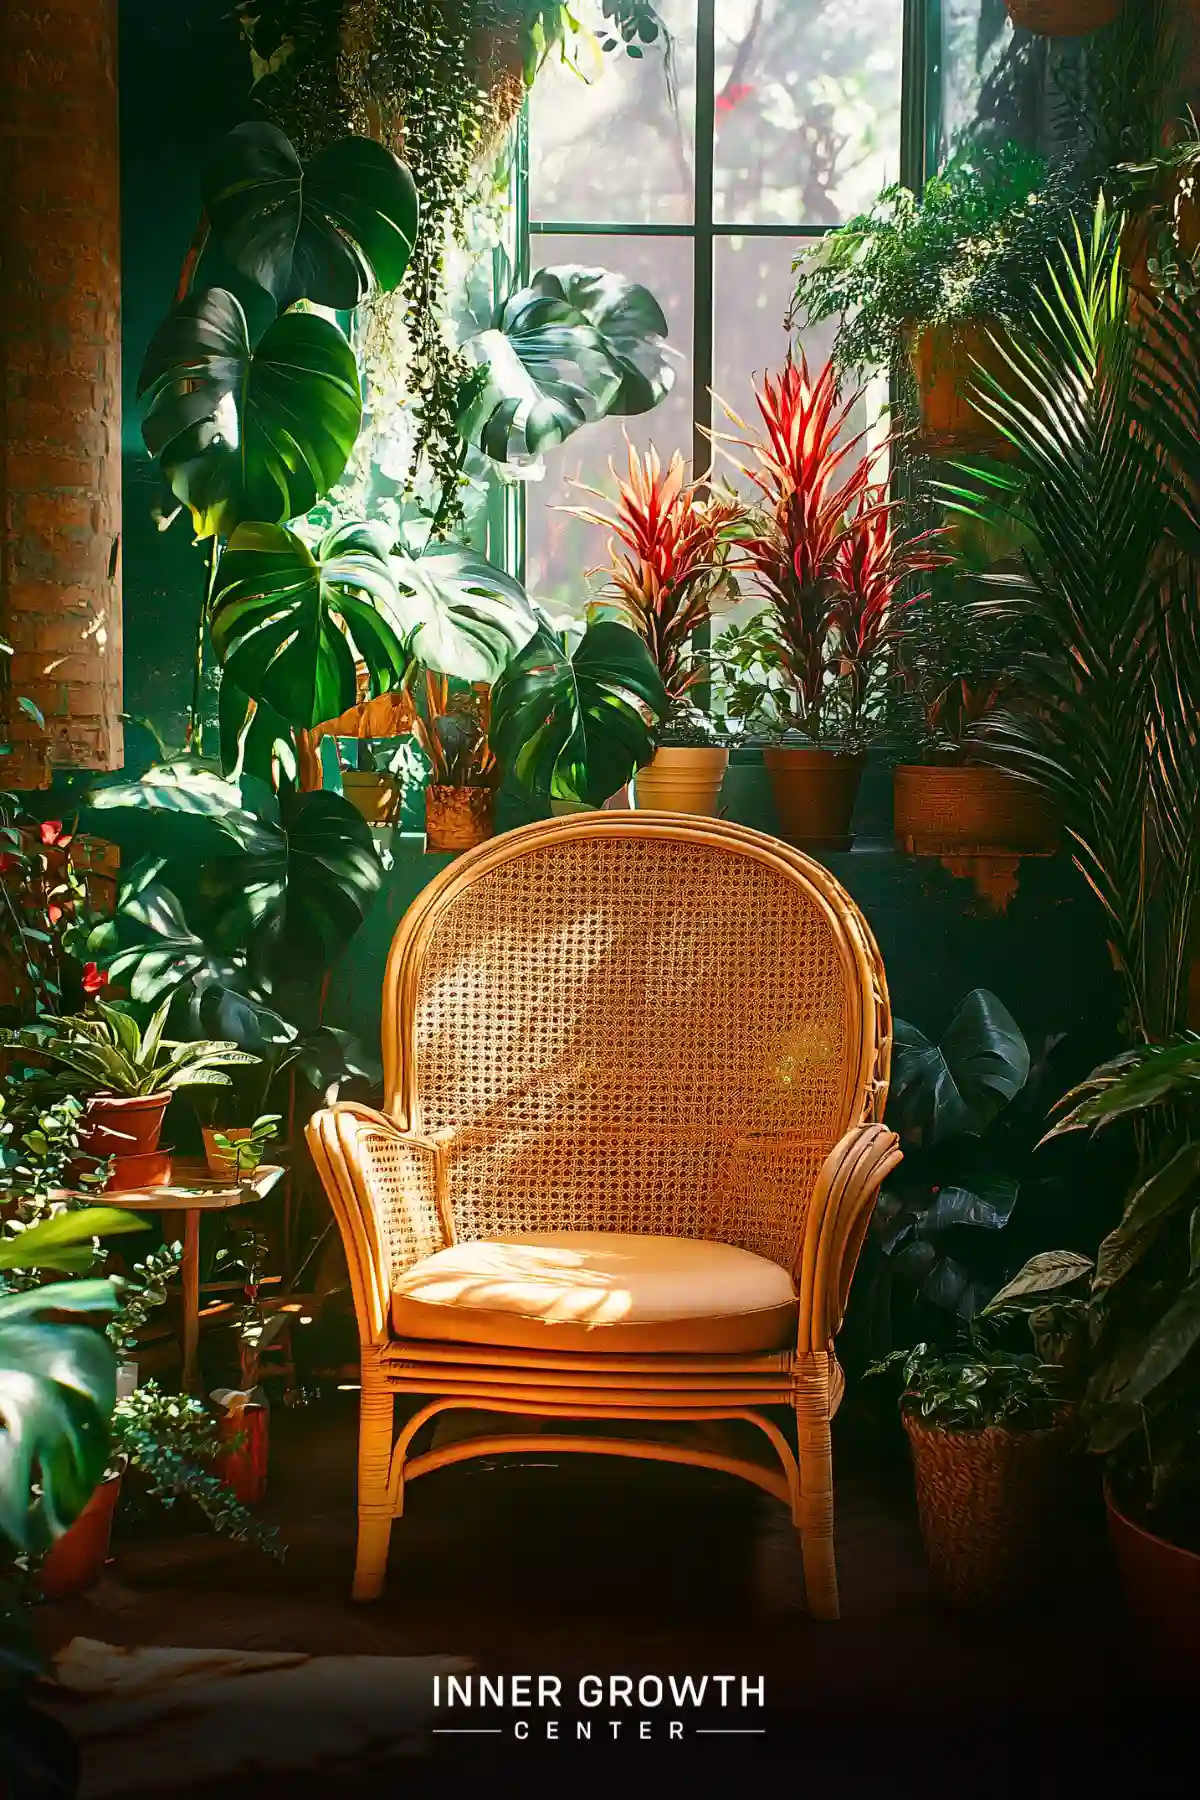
1169, 1343
987, 1203
577, 726
248, 434
57, 1391
287, 625
1047, 1273
961, 1084
326, 231
460, 614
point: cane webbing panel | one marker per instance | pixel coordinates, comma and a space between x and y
634, 1034
399, 1179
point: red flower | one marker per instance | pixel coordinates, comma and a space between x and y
94, 979
51, 830
54, 912
8, 861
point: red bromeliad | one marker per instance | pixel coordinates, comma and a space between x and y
875, 569
673, 556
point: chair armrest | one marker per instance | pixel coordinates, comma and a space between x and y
388, 1191
836, 1224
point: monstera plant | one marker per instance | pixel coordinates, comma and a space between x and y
968, 1113
573, 714
576, 345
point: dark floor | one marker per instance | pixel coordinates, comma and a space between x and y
587, 1565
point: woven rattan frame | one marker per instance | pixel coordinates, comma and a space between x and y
528, 990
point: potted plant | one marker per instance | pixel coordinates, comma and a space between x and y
960, 670
671, 549
1062, 18
126, 1077
934, 283
451, 724
237, 1150
1134, 1316
991, 1429
824, 547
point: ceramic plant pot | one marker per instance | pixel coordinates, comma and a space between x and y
242, 1463
458, 818
682, 779
1062, 18
75, 1560
376, 797
127, 1128
948, 809
815, 791
946, 362
1161, 1583
992, 1511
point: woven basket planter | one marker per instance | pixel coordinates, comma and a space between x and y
991, 1504
948, 809
1062, 18
458, 818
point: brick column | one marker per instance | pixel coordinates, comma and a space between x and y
60, 386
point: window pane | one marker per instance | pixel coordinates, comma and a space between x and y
560, 549
615, 149
808, 108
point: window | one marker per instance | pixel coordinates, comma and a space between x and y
774, 120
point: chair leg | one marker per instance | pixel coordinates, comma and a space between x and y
814, 1507
376, 1429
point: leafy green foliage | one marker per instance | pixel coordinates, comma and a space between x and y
107, 1052
173, 1442
287, 623
577, 344
1139, 1312
327, 232
575, 723
967, 1114
462, 616
970, 249
57, 1381
980, 1386
245, 1153
1100, 403
39, 1143
248, 434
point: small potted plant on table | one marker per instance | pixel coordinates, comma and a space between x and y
451, 726
671, 549
824, 545
127, 1078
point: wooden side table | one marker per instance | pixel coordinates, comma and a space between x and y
193, 1190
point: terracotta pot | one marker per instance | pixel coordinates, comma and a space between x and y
1062, 18
682, 779
458, 818
127, 1128
75, 1560
948, 809
242, 1465
150, 1171
993, 1507
815, 791
944, 361
1161, 1583
376, 797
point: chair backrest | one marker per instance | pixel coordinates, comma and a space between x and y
636, 1022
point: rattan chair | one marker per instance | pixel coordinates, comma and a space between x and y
636, 1066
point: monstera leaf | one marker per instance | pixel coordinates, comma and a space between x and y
325, 232
460, 615
574, 346
58, 1382
962, 1083
286, 624
577, 725
248, 433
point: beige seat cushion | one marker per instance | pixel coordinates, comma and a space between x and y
598, 1290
